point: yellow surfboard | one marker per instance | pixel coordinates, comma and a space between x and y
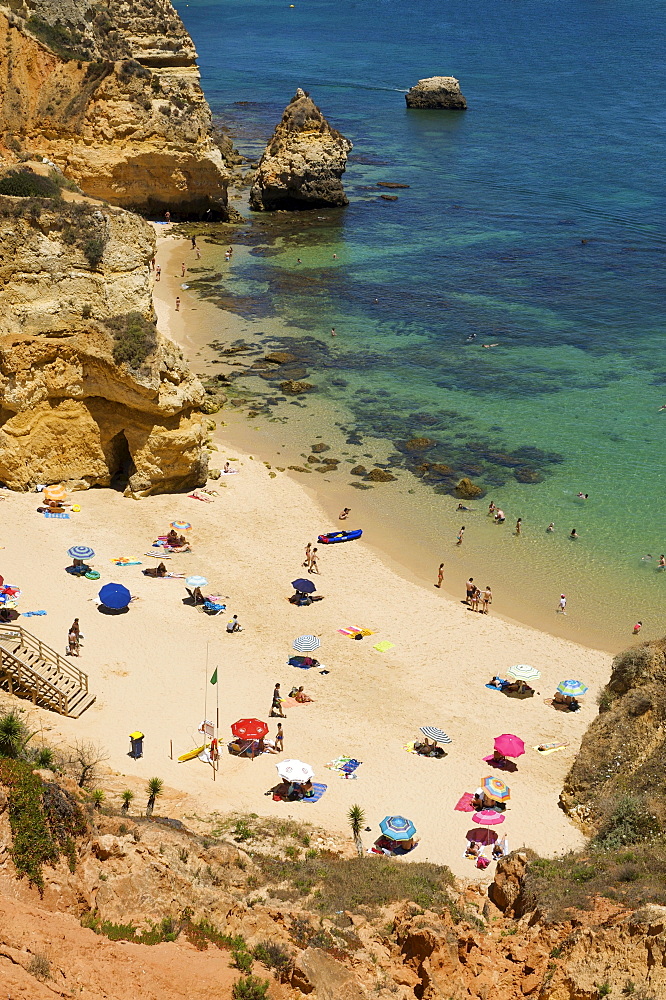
191, 754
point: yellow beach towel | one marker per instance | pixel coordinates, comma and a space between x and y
383, 646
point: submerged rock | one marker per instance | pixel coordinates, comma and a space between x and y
438, 92
292, 388
467, 490
526, 474
379, 476
303, 163
358, 470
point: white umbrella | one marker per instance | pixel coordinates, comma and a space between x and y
523, 672
306, 644
294, 770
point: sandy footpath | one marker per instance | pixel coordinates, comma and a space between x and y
148, 667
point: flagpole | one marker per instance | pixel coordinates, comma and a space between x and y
206, 690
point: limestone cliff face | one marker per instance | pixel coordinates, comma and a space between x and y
303, 163
110, 92
68, 411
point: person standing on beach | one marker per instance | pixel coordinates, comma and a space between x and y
194, 242
491, 507
476, 594
183, 269
198, 253
158, 273
562, 606
76, 629
276, 706
470, 587
178, 303
167, 216
72, 644
487, 599
306, 561
440, 575
460, 535
279, 738
314, 566
637, 627
519, 524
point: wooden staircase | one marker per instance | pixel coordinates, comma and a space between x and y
31, 669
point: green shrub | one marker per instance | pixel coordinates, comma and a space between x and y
93, 250
14, 735
273, 956
241, 960
65, 42
630, 822
32, 843
24, 183
250, 988
44, 758
134, 339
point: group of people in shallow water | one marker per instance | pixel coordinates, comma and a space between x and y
476, 599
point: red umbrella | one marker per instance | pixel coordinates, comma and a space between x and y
249, 729
509, 746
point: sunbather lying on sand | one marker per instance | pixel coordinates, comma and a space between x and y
565, 702
160, 570
473, 850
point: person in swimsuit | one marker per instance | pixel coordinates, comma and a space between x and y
440, 575
460, 535
662, 562
574, 534
276, 706
487, 599
344, 514
475, 599
637, 627
470, 588
551, 526
491, 507
519, 524
562, 606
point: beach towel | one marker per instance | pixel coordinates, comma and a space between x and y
383, 646
409, 747
32, 614
344, 765
349, 768
353, 630
492, 686
126, 562
465, 803
318, 791
66, 516
550, 748
195, 496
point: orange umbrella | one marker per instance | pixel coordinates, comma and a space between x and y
55, 494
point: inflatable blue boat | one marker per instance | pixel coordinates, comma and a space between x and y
339, 536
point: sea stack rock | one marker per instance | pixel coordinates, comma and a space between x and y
437, 92
303, 164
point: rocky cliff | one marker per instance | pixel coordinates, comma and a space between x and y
109, 91
438, 93
303, 164
89, 392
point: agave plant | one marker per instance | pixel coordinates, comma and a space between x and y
356, 818
127, 797
14, 735
155, 787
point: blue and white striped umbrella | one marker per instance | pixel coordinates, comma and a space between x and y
397, 828
306, 643
574, 688
433, 733
80, 552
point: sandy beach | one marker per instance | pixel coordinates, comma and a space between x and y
150, 667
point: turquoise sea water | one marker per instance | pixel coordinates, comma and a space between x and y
563, 142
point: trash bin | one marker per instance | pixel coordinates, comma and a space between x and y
136, 747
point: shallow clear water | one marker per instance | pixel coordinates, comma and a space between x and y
563, 142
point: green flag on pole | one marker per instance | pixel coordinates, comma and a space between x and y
213, 679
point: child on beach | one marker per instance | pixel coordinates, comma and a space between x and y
562, 606
460, 535
279, 738
276, 706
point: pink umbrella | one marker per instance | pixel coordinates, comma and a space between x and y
488, 817
509, 746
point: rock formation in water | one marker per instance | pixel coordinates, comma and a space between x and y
89, 392
436, 92
110, 92
303, 164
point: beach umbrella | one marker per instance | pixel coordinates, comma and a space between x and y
249, 729
397, 828
304, 586
496, 789
433, 733
509, 745
574, 688
523, 672
80, 552
181, 525
294, 770
115, 596
196, 581
306, 643
480, 836
55, 494
488, 817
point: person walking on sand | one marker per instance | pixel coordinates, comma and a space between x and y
72, 644
76, 629
486, 600
198, 251
440, 575
460, 535
314, 565
470, 587
178, 303
183, 269
519, 524
276, 706
562, 606
308, 549
279, 738
158, 273
194, 242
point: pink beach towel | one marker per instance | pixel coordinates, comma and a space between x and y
465, 804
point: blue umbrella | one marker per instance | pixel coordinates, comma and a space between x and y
574, 688
80, 552
304, 586
397, 828
114, 595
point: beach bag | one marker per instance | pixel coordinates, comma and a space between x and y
482, 862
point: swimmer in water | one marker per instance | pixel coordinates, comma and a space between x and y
663, 407
489, 345
574, 534
583, 496
646, 558
462, 507
551, 526
662, 562
471, 337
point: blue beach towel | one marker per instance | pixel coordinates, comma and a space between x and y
350, 766
57, 515
31, 614
493, 688
318, 792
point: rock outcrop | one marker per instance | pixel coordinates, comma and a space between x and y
436, 92
70, 408
109, 91
303, 163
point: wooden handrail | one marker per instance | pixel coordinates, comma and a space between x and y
27, 676
45, 653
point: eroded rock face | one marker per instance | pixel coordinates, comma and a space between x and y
436, 92
68, 412
117, 105
303, 163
